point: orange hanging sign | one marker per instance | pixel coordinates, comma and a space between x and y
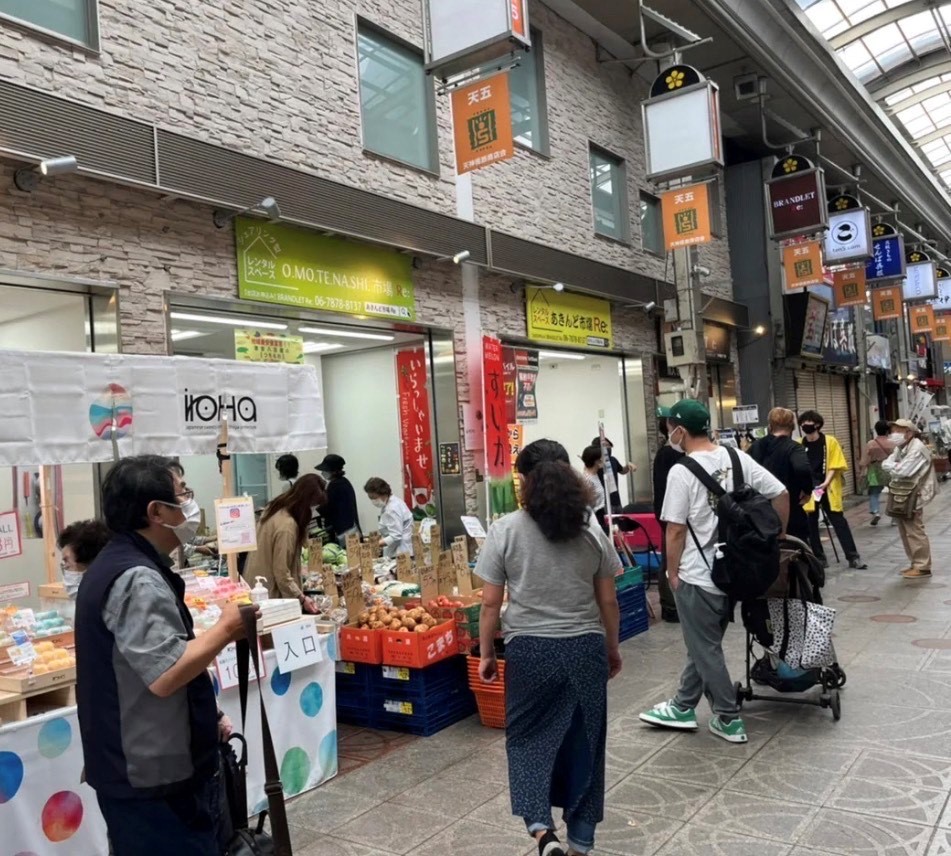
942, 328
922, 318
686, 216
849, 286
802, 265
518, 17
482, 123
886, 303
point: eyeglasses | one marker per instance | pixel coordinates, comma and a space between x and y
186, 495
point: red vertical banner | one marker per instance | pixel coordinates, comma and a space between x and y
510, 381
415, 433
496, 425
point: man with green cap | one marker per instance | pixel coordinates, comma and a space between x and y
692, 528
664, 460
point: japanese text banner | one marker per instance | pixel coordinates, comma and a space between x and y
482, 123
415, 431
63, 408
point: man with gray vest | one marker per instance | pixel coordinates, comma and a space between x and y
147, 711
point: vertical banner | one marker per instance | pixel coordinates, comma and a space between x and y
942, 328
686, 216
886, 303
921, 318
498, 466
516, 444
849, 286
526, 402
415, 433
802, 265
510, 381
482, 123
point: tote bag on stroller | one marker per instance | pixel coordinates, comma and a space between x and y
803, 631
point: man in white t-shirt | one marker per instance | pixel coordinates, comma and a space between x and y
704, 610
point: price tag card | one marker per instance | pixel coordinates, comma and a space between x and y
435, 542
234, 518
374, 540
404, 569
329, 581
403, 707
353, 594
396, 673
346, 668
315, 554
425, 529
445, 573
474, 527
420, 553
366, 563
24, 618
226, 665
428, 583
22, 652
464, 579
296, 645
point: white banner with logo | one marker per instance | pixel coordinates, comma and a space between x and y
63, 408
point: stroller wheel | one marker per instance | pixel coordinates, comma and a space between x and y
836, 705
839, 674
742, 694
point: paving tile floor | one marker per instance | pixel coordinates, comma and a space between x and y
874, 783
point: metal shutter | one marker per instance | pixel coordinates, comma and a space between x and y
829, 395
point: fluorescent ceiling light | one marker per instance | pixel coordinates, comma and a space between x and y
317, 347
347, 334
185, 335
559, 355
231, 322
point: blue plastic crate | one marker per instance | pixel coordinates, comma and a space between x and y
353, 677
419, 683
359, 715
426, 720
632, 631
648, 560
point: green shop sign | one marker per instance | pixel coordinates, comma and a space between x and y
294, 267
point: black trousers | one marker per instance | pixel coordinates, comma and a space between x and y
839, 523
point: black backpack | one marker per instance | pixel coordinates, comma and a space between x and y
749, 528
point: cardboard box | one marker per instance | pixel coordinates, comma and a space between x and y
418, 650
361, 646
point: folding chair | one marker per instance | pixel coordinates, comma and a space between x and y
643, 540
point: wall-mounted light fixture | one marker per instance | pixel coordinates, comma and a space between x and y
456, 259
754, 334
28, 178
267, 206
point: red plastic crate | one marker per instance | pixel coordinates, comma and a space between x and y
491, 704
418, 650
361, 646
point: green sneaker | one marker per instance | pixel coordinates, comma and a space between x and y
668, 715
732, 732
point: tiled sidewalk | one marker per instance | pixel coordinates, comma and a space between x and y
874, 783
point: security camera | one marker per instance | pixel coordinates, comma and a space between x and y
701, 270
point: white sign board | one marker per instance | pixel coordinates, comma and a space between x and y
296, 645
746, 414
11, 544
849, 237
235, 524
463, 34
14, 591
59, 408
226, 665
473, 526
878, 352
921, 281
919, 405
682, 131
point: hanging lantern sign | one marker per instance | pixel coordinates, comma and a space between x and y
682, 125
921, 277
796, 198
849, 238
943, 300
888, 255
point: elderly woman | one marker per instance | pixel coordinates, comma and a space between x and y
396, 520
910, 467
80, 543
561, 638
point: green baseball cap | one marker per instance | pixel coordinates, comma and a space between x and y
691, 414
663, 412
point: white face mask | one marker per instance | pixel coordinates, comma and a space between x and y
72, 579
379, 503
677, 447
897, 439
188, 528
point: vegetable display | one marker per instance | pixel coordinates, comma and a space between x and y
381, 617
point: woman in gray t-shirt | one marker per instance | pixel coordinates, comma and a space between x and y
561, 635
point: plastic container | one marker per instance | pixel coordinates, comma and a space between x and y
361, 646
418, 650
631, 577
259, 593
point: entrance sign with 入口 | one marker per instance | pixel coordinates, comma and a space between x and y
226, 665
295, 267
562, 318
802, 265
797, 203
886, 304
297, 645
235, 525
482, 123
849, 287
686, 216
921, 281
11, 544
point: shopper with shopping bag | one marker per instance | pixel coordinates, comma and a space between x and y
911, 487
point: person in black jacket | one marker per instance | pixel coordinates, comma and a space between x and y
340, 512
787, 460
664, 460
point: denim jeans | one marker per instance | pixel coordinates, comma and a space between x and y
580, 834
183, 824
874, 499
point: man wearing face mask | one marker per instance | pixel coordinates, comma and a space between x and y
828, 465
147, 712
911, 460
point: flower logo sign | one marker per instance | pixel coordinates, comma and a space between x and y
675, 79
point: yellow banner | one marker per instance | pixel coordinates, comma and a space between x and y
568, 319
254, 346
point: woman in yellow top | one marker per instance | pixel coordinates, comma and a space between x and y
828, 465
281, 533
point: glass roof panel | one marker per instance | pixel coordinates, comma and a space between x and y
903, 42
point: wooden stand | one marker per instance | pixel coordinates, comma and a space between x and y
227, 487
16, 707
48, 518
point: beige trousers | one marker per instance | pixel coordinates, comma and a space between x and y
915, 540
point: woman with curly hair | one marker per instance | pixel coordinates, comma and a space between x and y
561, 646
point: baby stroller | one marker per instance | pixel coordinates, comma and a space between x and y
800, 582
